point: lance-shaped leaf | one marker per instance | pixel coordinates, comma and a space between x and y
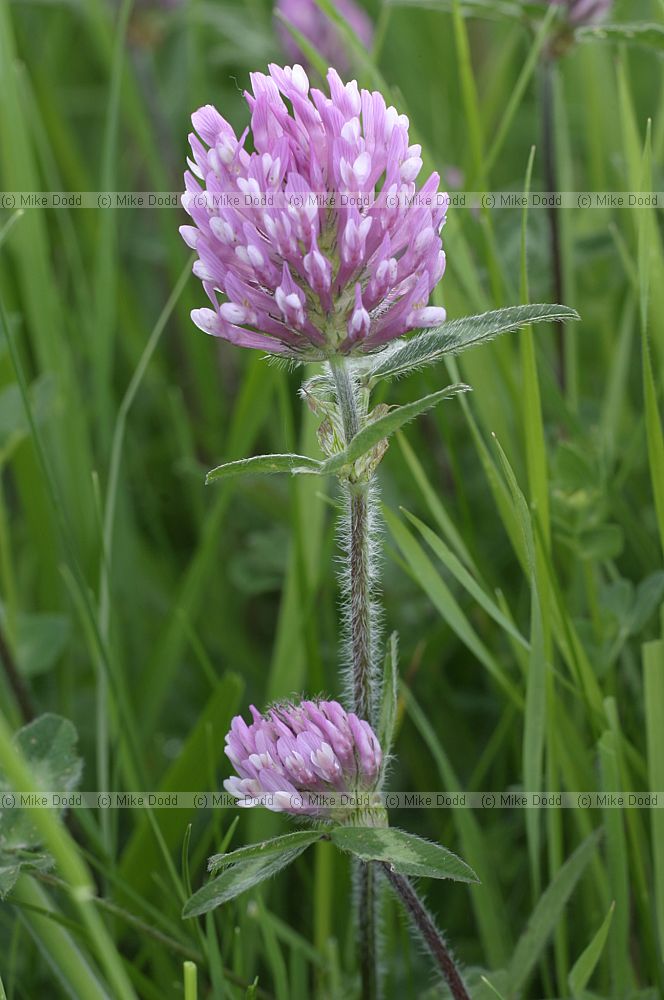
489, 9
585, 964
382, 428
404, 852
250, 866
388, 704
547, 913
650, 36
458, 335
264, 849
265, 465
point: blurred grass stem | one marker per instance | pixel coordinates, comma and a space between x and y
551, 185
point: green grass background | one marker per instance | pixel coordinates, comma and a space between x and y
523, 525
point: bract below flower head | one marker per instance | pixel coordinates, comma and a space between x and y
292, 756
317, 241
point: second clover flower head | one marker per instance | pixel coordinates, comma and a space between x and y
584, 12
290, 755
320, 31
317, 241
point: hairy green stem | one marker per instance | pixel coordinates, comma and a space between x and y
357, 575
346, 397
359, 624
359, 593
368, 927
426, 926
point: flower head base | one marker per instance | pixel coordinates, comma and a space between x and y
318, 242
293, 753
307, 18
582, 12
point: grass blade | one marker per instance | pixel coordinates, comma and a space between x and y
585, 964
547, 913
653, 694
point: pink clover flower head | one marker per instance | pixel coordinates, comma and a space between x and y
584, 12
294, 752
318, 242
314, 25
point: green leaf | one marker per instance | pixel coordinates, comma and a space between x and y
67, 954
382, 428
49, 746
435, 504
388, 705
161, 830
489, 9
40, 641
465, 577
435, 587
12, 863
458, 335
4, 233
585, 964
654, 435
649, 35
546, 915
618, 877
13, 425
490, 911
403, 852
649, 595
603, 542
493, 989
239, 877
653, 698
265, 465
277, 845
13, 421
